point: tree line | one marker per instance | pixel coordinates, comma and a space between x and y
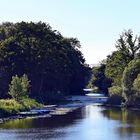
53, 63
119, 74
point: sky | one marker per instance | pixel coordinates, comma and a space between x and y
96, 23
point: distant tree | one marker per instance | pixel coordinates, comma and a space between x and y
99, 79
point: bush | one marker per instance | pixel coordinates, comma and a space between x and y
115, 90
19, 87
28, 104
11, 106
19, 90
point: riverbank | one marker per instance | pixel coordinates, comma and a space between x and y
73, 103
11, 107
85, 123
119, 102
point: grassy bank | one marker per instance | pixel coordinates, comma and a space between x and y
10, 107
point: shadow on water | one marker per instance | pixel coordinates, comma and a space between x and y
129, 120
39, 128
51, 122
87, 123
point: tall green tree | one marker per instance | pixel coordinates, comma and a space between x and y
128, 48
129, 44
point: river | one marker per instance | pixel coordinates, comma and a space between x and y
87, 123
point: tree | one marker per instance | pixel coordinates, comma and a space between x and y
129, 75
128, 44
19, 87
115, 65
52, 62
99, 79
127, 49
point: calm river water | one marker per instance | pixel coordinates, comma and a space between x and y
88, 123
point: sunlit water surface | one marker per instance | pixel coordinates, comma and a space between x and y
88, 123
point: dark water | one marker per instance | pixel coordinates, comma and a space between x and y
88, 123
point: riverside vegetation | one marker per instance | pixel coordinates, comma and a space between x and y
53, 64
119, 74
39, 65
19, 91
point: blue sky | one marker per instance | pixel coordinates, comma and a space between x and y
96, 23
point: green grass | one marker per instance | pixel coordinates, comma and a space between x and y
28, 104
11, 107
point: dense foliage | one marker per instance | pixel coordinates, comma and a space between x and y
19, 91
52, 62
115, 65
127, 49
130, 78
122, 67
99, 80
11, 106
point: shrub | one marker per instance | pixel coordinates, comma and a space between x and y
19, 90
28, 104
115, 90
11, 106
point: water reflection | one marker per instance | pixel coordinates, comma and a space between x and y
129, 120
41, 128
52, 122
88, 123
